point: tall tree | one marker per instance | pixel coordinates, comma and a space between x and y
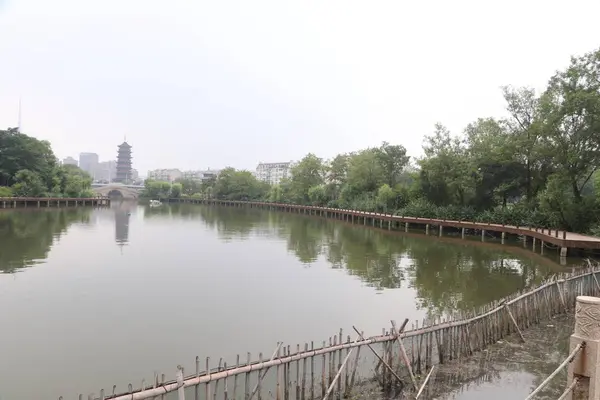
307, 173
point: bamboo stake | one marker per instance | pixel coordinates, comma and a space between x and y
289, 382
247, 378
337, 376
596, 280
258, 386
303, 394
346, 376
225, 383
424, 383
235, 378
560, 294
217, 380
208, 383
514, 322
403, 351
298, 373
377, 355
264, 373
354, 368
180, 389
323, 374
197, 387
312, 372
278, 377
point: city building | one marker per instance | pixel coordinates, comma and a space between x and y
201, 175
165, 175
88, 162
134, 174
273, 173
69, 161
106, 171
123, 163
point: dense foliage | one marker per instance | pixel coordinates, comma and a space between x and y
535, 166
29, 168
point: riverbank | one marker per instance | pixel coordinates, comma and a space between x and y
39, 202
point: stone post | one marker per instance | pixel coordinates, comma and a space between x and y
586, 365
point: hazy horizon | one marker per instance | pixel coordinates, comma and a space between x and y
235, 83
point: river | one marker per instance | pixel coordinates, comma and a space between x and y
92, 298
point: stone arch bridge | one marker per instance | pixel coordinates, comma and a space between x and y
118, 190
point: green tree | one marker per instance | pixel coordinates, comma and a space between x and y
307, 173
447, 173
28, 184
21, 152
393, 160
176, 190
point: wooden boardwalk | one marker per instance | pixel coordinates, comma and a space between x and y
46, 202
538, 236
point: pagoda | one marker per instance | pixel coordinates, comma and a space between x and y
123, 163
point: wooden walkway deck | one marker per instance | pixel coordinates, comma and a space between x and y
38, 202
538, 236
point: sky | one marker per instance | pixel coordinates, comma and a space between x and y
197, 84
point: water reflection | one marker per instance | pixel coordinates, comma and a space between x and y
448, 274
27, 236
122, 213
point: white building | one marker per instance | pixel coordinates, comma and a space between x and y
88, 162
273, 173
106, 171
69, 161
201, 175
165, 175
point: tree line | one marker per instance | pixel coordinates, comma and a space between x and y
536, 166
29, 168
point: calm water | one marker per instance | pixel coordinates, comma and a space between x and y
92, 298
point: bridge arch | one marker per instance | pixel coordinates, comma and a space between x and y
117, 191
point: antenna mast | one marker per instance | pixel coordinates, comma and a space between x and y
19, 123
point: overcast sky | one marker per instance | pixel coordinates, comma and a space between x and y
196, 84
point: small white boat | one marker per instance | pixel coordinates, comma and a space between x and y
155, 203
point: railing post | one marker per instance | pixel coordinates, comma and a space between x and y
586, 365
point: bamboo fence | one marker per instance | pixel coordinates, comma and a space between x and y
396, 359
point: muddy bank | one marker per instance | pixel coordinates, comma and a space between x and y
507, 369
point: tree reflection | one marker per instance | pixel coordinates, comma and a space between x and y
448, 274
26, 237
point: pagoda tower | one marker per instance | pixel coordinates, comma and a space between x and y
123, 163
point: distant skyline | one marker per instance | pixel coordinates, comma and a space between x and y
214, 84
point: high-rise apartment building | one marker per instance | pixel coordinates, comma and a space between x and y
88, 162
273, 173
106, 171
